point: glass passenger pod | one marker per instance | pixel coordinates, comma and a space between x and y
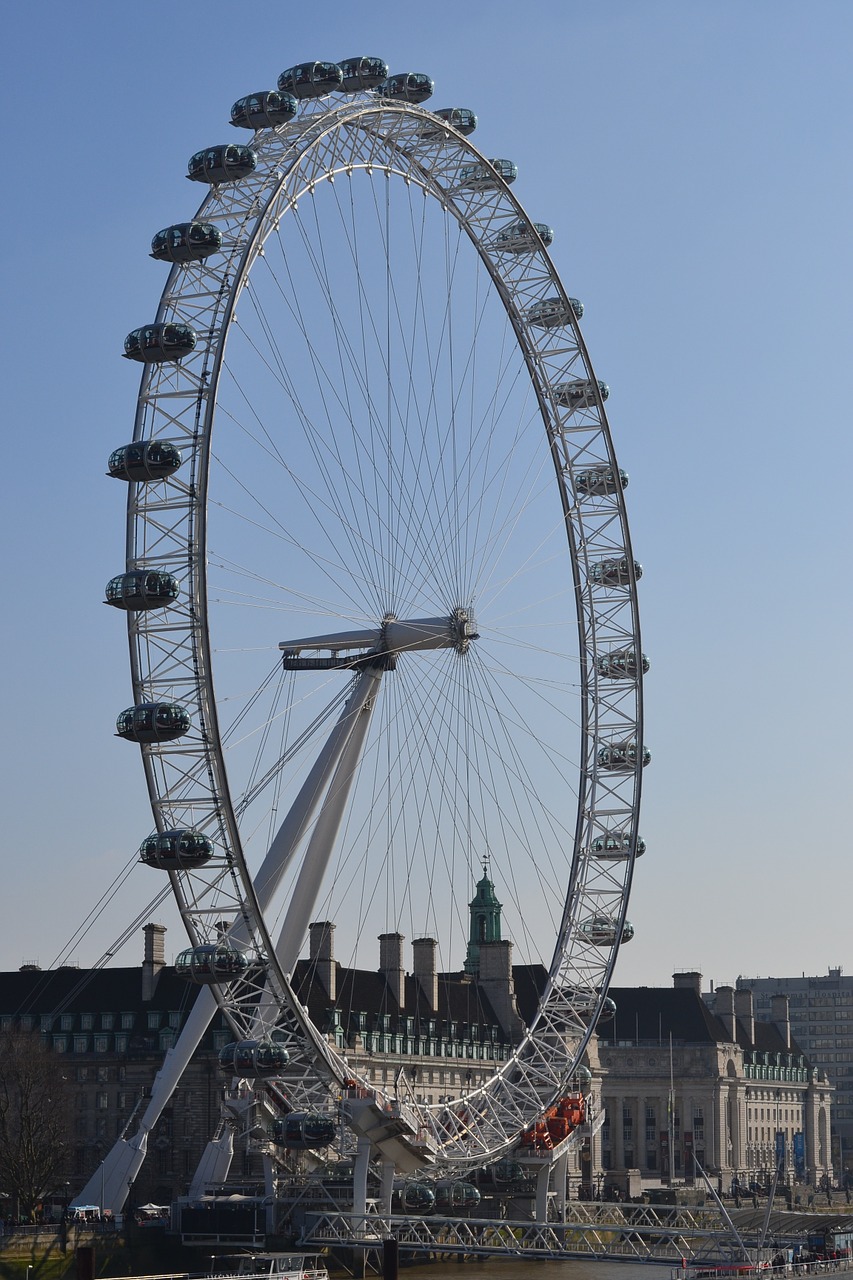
501, 1174
553, 313
602, 930
303, 1130
615, 846
408, 86
186, 242
622, 664
144, 461
524, 237
153, 722
621, 757
580, 393
211, 963
142, 589
455, 1194
484, 177
462, 119
600, 482
362, 73
229, 162
264, 110
159, 343
614, 573
413, 1197
254, 1058
311, 79
182, 849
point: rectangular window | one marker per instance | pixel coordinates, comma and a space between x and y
153, 1021
81, 1044
102, 1101
102, 1044
107, 1020
26, 1023
121, 1045
87, 1021
174, 1020
127, 1020
66, 1022
46, 1022
60, 1044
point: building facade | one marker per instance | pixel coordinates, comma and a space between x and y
736, 1092
822, 1021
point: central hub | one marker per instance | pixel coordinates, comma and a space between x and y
348, 649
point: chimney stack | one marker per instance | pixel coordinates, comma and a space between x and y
725, 1010
689, 980
154, 959
497, 982
322, 956
781, 1018
746, 1013
391, 965
423, 952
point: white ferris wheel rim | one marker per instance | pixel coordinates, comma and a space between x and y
171, 658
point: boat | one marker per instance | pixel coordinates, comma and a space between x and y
281, 1266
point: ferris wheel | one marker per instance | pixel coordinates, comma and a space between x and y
380, 588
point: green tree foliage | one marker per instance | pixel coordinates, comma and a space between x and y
33, 1119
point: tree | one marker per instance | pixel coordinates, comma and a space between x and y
33, 1118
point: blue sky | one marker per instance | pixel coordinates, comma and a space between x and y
694, 161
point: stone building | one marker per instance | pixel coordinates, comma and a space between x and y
679, 1080
822, 1023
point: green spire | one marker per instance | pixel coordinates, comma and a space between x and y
485, 913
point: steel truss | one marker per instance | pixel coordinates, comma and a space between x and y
642, 1233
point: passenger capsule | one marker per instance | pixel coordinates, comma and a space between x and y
585, 1003
553, 313
599, 482
500, 1175
145, 460
621, 757
622, 664
483, 177
153, 722
580, 394
413, 1197
212, 962
254, 1058
454, 1194
304, 1130
311, 79
142, 589
183, 849
524, 237
264, 110
229, 162
408, 86
583, 1075
186, 242
159, 343
615, 846
614, 573
462, 119
602, 930
362, 73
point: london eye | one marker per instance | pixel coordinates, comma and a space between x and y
380, 589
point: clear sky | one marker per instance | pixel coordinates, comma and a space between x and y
694, 160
